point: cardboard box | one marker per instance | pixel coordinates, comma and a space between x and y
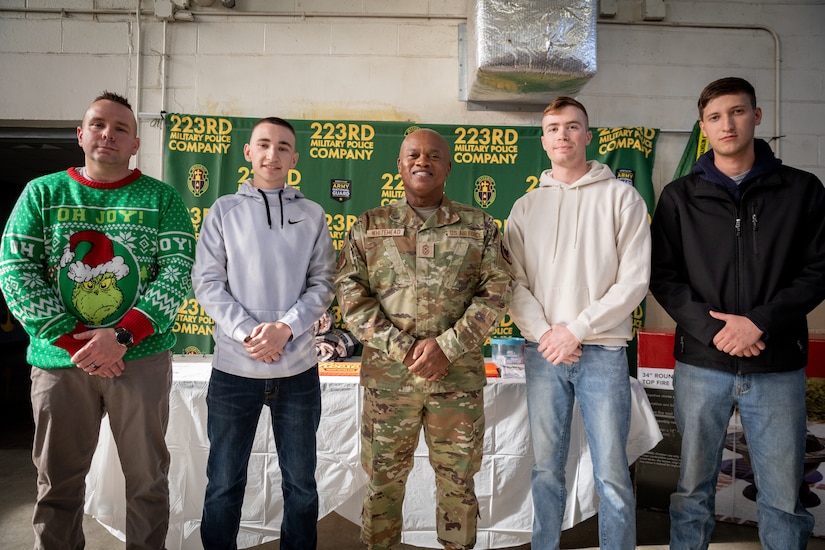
339, 368
657, 471
353, 368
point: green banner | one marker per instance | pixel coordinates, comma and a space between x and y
697, 145
350, 166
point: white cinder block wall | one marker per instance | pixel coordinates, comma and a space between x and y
393, 60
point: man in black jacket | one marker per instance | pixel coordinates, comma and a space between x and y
739, 262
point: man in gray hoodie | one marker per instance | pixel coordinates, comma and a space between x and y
263, 271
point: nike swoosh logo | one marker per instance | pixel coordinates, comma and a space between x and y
294, 221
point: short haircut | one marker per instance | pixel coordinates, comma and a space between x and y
725, 86
276, 121
441, 139
111, 96
563, 101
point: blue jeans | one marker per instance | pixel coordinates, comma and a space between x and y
234, 405
601, 385
772, 410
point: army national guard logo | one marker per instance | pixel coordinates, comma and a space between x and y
484, 191
626, 175
198, 181
340, 190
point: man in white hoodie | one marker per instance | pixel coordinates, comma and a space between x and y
580, 251
263, 271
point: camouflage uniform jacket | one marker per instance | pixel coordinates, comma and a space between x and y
401, 279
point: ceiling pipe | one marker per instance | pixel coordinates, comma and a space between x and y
73, 11
200, 14
138, 64
162, 121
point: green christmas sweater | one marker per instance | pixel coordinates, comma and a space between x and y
78, 254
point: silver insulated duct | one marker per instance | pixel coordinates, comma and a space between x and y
529, 51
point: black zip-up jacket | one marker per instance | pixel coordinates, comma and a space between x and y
761, 256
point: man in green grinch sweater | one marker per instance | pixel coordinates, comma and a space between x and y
95, 262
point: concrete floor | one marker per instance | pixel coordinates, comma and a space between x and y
17, 491
17, 488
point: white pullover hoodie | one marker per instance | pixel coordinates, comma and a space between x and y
580, 257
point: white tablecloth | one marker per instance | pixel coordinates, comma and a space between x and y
502, 485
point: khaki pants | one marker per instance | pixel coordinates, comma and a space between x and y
68, 406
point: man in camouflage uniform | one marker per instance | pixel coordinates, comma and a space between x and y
422, 283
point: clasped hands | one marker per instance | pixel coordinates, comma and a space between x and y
425, 359
266, 342
559, 345
101, 355
739, 337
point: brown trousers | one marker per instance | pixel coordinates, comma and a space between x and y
68, 406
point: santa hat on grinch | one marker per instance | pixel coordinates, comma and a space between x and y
99, 259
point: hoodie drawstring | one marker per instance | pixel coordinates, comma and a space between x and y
576, 234
281, 203
266, 205
558, 215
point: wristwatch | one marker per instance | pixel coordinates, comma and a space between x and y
124, 337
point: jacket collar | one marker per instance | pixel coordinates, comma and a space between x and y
707, 188
765, 163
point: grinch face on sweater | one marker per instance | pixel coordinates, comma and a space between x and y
97, 298
96, 275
